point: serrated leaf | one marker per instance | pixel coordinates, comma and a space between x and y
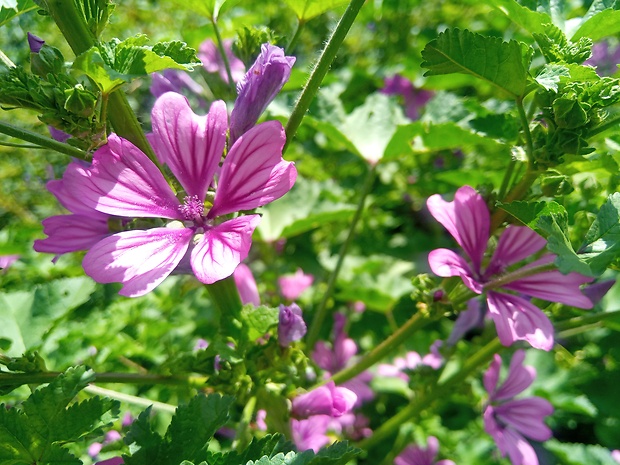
142, 434
502, 64
9, 9
17, 439
85, 417
308, 9
580, 454
258, 320
602, 243
531, 21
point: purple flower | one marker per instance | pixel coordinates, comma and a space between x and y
291, 325
411, 361
615, 454
510, 421
604, 58
467, 219
112, 461
57, 134
414, 98
293, 285
258, 88
35, 43
415, 455
246, 285
311, 433
7, 260
324, 400
174, 80
212, 60
123, 182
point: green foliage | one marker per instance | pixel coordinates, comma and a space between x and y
503, 64
602, 243
532, 21
36, 433
601, 20
556, 48
96, 14
578, 454
257, 321
308, 9
9, 9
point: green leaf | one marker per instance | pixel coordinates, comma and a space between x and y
579, 454
602, 243
258, 320
308, 9
603, 23
96, 13
113, 63
28, 315
557, 48
143, 434
531, 21
9, 9
502, 64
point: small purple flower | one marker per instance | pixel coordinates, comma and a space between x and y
112, 461
35, 43
595, 292
324, 400
174, 80
467, 219
123, 182
246, 285
291, 325
292, 286
57, 134
415, 99
415, 455
212, 61
258, 88
311, 433
7, 260
411, 361
261, 415
615, 454
510, 421
604, 58
201, 344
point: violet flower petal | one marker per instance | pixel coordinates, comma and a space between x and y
212, 61
122, 181
191, 145
311, 433
516, 319
519, 378
246, 285
292, 286
467, 219
291, 325
526, 416
35, 43
515, 244
70, 233
140, 260
491, 376
222, 248
446, 263
253, 173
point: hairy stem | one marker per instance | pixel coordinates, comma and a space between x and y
222, 50
42, 141
128, 398
18, 379
321, 311
322, 67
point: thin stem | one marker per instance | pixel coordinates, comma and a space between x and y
517, 193
18, 379
426, 398
6, 60
526, 131
321, 312
322, 67
290, 47
241, 441
128, 398
220, 46
389, 345
585, 320
507, 179
72, 24
42, 141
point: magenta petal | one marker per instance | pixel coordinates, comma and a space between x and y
515, 244
246, 285
191, 145
519, 450
71, 198
446, 263
519, 378
122, 181
516, 319
254, 173
70, 233
466, 218
138, 259
222, 248
526, 416
491, 376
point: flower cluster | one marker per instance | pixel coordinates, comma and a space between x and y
467, 219
415, 455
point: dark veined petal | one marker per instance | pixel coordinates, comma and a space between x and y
70, 233
515, 244
526, 416
191, 145
139, 259
446, 263
519, 378
221, 249
254, 172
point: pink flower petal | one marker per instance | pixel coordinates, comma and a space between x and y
191, 145
515, 244
70, 233
491, 376
466, 218
526, 416
519, 378
246, 285
519, 450
140, 260
516, 319
72, 200
446, 263
122, 181
254, 173
222, 248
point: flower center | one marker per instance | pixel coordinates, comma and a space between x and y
192, 208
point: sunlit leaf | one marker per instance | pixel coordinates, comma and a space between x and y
308, 9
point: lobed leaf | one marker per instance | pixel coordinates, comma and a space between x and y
308, 9
602, 243
9, 9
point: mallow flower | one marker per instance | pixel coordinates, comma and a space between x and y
415, 455
246, 285
293, 285
510, 421
468, 220
291, 325
212, 60
197, 227
329, 399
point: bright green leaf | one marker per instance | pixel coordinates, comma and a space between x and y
580, 454
602, 243
598, 23
503, 64
531, 21
258, 320
308, 9
9, 9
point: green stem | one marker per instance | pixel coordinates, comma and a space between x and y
220, 46
72, 24
290, 48
589, 319
225, 297
18, 379
321, 312
322, 67
430, 395
128, 398
604, 127
526, 131
507, 179
517, 193
242, 437
389, 345
6, 60
42, 141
